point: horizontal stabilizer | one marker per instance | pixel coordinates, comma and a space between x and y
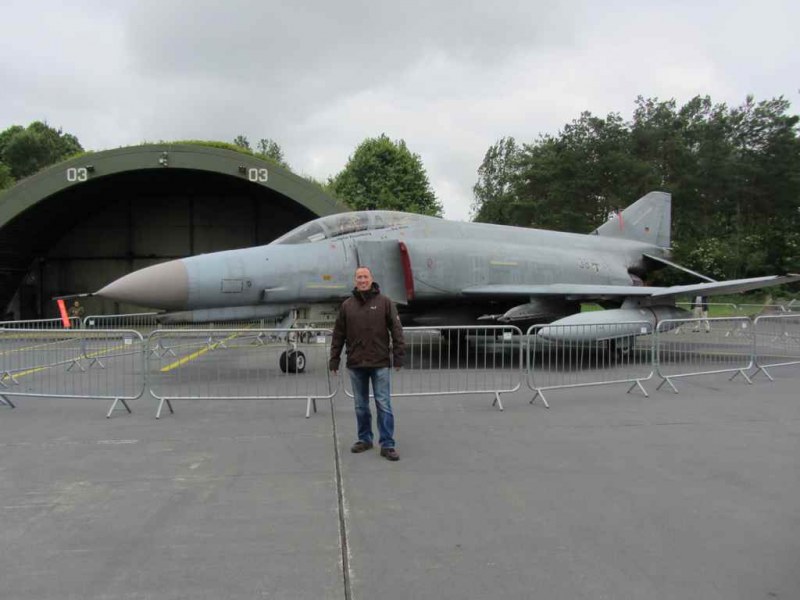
664, 261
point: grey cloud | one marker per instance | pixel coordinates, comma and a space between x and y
448, 77
331, 46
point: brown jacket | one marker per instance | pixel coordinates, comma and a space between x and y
364, 323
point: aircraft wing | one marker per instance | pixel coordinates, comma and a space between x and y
731, 286
559, 289
577, 290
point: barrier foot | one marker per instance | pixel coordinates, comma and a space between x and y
96, 361
667, 380
212, 345
641, 387
539, 394
497, 402
161, 406
6, 401
76, 361
114, 406
743, 374
312, 403
160, 352
764, 371
7, 376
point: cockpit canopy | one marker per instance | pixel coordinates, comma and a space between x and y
333, 226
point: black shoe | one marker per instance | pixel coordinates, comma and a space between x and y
360, 446
390, 454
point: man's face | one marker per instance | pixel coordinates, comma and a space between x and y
363, 280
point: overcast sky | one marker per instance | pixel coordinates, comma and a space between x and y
448, 77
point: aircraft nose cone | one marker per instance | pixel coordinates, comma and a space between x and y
161, 286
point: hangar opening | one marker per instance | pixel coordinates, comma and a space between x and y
81, 224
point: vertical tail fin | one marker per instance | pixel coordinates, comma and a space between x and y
648, 220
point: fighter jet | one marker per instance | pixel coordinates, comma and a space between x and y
439, 272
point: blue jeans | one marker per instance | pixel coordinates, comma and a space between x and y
360, 378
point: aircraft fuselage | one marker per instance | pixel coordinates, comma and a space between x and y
443, 258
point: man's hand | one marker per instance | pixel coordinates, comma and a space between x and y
335, 371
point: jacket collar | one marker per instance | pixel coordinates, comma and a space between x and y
369, 294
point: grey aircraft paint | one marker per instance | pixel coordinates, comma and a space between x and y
439, 272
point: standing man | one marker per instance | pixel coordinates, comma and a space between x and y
700, 311
364, 324
76, 310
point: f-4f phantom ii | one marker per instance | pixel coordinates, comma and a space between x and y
439, 272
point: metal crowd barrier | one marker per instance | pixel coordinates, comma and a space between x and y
792, 306
446, 361
690, 305
691, 347
573, 356
264, 364
74, 323
72, 364
777, 342
239, 364
138, 321
743, 309
148, 322
751, 309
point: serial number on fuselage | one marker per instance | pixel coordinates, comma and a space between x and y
589, 265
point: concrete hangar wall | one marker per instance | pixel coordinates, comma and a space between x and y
80, 224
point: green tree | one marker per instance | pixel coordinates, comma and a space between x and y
26, 151
495, 192
271, 150
266, 149
734, 176
382, 174
571, 182
766, 181
6, 179
241, 141
6, 135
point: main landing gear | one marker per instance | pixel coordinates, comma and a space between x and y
622, 348
292, 361
297, 328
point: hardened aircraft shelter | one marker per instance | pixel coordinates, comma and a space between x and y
82, 223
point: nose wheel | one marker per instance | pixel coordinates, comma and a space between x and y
292, 361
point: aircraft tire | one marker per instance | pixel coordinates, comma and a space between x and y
622, 347
292, 361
